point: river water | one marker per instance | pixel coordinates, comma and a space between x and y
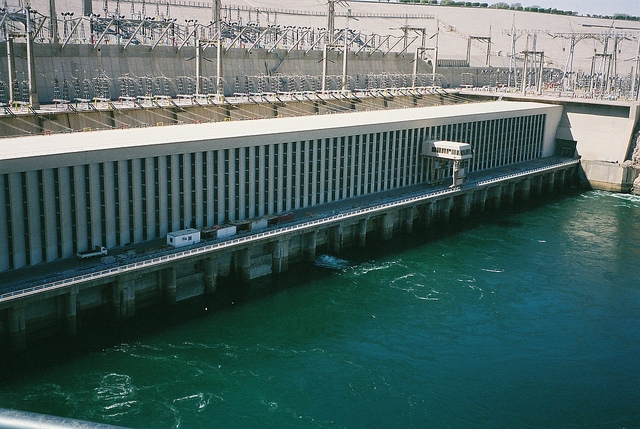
526, 319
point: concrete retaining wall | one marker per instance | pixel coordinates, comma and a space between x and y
32, 317
169, 71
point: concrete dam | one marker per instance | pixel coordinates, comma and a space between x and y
269, 170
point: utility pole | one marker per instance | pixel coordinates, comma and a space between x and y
512, 58
345, 85
31, 73
218, 21
10, 66
515, 35
53, 28
331, 19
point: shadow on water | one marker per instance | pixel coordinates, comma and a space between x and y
98, 331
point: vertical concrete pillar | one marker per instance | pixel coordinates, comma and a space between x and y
408, 220
210, 188
446, 209
310, 244
109, 202
465, 210
336, 238
362, 232
280, 257
537, 186
511, 192
174, 187
483, 199
163, 195
50, 228
243, 264
33, 217
16, 208
70, 311
250, 199
95, 212
497, 200
271, 189
5, 263
386, 227
137, 196
526, 188
242, 193
170, 285
124, 297
210, 275
150, 196
561, 178
551, 178
17, 328
428, 214
123, 205
80, 192
65, 219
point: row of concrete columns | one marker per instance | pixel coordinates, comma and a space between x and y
121, 296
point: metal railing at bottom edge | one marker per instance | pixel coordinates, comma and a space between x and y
12, 419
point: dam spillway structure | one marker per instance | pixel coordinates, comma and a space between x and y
273, 142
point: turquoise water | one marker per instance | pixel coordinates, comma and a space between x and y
530, 319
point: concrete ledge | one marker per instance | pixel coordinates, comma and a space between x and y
608, 176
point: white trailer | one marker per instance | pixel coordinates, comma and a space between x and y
183, 237
226, 231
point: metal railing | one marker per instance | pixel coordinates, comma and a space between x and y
527, 173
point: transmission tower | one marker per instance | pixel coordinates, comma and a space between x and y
515, 35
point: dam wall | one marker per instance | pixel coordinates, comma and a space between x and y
117, 293
127, 186
82, 71
126, 189
110, 71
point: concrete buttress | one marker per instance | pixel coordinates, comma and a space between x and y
243, 264
210, 275
408, 220
70, 311
497, 200
336, 237
124, 297
525, 190
386, 229
280, 257
170, 285
428, 214
551, 180
310, 240
17, 328
511, 192
362, 232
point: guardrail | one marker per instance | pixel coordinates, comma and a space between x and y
527, 173
239, 241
